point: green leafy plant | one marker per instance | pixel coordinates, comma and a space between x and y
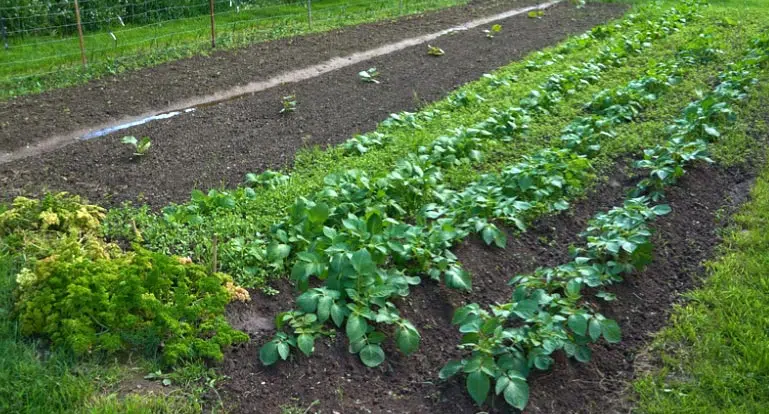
141, 146
547, 312
138, 301
369, 76
289, 104
435, 51
536, 14
361, 144
493, 31
88, 296
268, 179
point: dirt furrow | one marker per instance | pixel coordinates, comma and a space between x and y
219, 144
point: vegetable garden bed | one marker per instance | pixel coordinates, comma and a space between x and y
511, 247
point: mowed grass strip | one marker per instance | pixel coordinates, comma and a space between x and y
715, 352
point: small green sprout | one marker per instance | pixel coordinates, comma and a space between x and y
536, 14
141, 147
435, 51
490, 33
289, 104
369, 76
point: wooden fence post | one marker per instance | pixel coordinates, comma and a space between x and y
213, 24
80, 33
5, 33
309, 13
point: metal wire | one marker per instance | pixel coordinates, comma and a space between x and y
65, 53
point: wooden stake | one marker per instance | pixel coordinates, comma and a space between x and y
214, 252
309, 13
80, 34
213, 24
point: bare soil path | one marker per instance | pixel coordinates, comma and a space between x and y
219, 144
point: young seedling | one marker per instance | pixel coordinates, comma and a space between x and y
490, 33
435, 51
289, 104
369, 76
141, 146
536, 14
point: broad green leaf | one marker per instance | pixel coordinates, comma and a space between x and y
337, 314
130, 140
594, 328
661, 209
478, 386
543, 362
711, 131
458, 278
407, 339
582, 353
573, 287
517, 393
372, 355
376, 337
306, 343
357, 345
525, 182
488, 234
268, 354
283, 350
324, 308
319, 213
611, 331
307, 301
561, 205
278, 251
362, 262
502, 383
500, 240
356, 327
578, 324
526, 308
450, 369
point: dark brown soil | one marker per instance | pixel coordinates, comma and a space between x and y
28, 119
683, 239
219, 144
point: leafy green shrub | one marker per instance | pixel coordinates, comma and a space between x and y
88, 296
137, 300
33, 227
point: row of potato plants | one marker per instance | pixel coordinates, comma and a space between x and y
186, 229
549, 310
367, 241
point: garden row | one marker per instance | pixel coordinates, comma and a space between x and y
366, 238
368, 241
88, 296
188, 229
553, 309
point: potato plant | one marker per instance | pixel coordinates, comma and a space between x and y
548, 311
366, 241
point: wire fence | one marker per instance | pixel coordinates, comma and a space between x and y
58, 41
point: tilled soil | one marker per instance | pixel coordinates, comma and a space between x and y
682, 240
28, 119
217, 145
